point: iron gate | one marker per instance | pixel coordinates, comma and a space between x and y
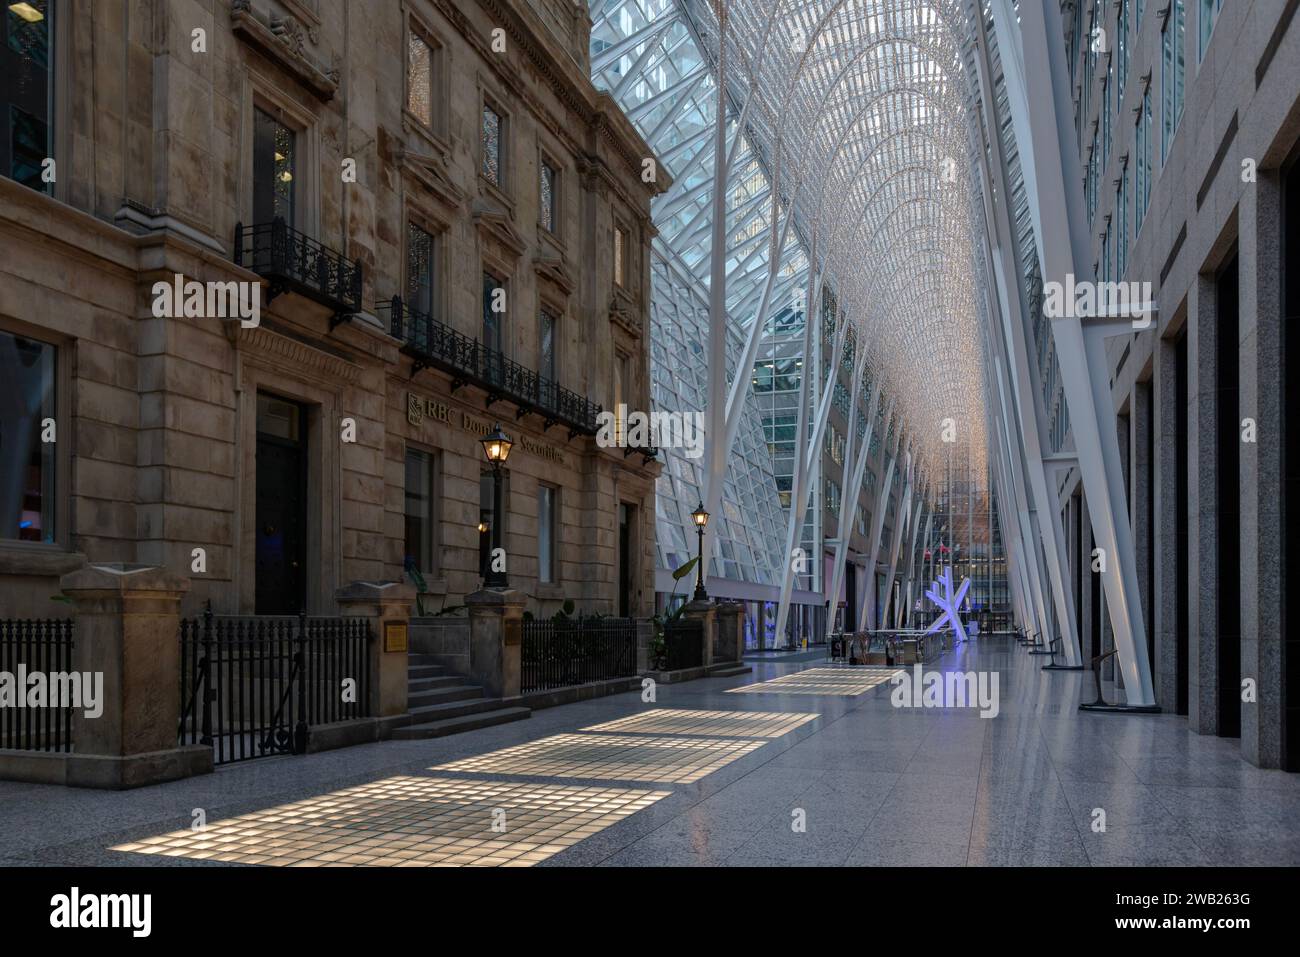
254, 687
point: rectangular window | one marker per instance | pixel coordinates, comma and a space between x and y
1144, 169
546, 345
1121, 217
27, 93
273, 169
492, 130
421, 512
421, 275
1171, 75
547, 197
619, 242
494, 300
27, 420
1107, 88
419, 78
1209, 14
546, 497
1124, 48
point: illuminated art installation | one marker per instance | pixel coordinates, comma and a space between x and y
949, 603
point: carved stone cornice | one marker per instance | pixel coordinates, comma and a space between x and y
430, 173
493, 224
623, 312
284, 41
552, 269
279, 349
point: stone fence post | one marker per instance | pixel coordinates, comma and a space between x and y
127, 630
495, 635
387, 606
706, 613
731, 631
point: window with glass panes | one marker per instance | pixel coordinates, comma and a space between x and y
1171, 75
421, 514
421, 279
27, 67
547, 188
620, 243
419, 78
546, 345
274, 156
27, 368
494, 298
491, 135
546, 526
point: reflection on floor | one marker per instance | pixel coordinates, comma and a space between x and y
411, 822
846, 681
725, 724
611, 758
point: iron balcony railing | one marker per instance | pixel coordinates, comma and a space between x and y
294, 262
434, 344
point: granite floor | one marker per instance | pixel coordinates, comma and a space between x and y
816, 768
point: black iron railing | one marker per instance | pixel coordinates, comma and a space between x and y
434, 344
253, 687
684, 644
294, 262
44, 646
557, 654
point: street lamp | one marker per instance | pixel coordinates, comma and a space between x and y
701, 518
496, 446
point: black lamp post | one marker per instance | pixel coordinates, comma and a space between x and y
701, 518
496, 446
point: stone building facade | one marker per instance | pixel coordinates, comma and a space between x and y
447, 227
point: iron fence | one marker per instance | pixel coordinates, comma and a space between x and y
29, 647
253, 687
557, 654
292, 260
684, 644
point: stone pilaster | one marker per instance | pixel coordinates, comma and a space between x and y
729, 645
705, 612
128, 630
495, 635
387, 607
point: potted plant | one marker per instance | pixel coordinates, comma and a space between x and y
659, 643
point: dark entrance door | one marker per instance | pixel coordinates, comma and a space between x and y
281, 507
624, 561
851, 597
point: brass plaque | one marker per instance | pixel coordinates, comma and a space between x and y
395, 636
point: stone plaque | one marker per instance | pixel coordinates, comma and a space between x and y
513, 632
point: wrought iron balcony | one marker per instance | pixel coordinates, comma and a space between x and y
294, 262
434, 344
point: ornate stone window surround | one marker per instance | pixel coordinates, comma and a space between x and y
259, 92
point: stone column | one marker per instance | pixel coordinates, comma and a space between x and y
128, 631
706, 613
730, 644
387, 606
495, 634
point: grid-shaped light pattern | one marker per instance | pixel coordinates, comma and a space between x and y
410, 822
842, 682
611, 758
718, 724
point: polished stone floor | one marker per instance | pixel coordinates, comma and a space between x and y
811, 765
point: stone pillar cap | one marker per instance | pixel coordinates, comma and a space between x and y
375, 591
702, 605
496, 597
124, 577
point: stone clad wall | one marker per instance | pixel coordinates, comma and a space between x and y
157, 416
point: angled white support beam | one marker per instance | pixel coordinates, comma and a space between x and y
867, 606
1033, 57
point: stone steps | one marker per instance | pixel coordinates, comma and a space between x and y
440, 703
467, 722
